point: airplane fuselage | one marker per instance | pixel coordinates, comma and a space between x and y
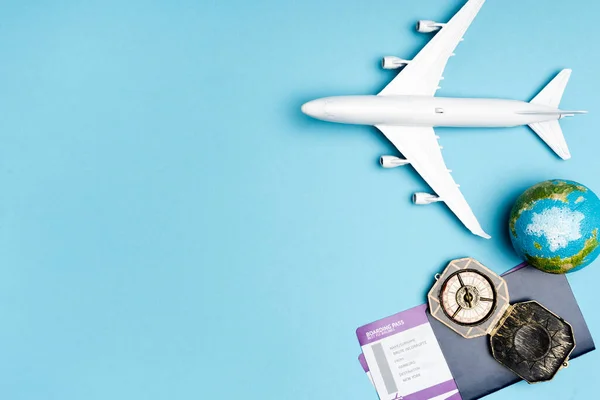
428, 111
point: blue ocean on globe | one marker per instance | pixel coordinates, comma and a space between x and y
554, 225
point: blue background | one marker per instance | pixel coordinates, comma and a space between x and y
171, 226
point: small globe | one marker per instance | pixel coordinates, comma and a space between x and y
555, 224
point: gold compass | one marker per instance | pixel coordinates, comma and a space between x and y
525, 337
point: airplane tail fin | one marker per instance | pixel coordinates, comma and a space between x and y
550, 131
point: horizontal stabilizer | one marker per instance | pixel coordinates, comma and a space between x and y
553, 92
551, 133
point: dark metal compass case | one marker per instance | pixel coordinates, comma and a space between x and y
525, 337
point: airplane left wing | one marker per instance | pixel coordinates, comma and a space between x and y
422, 75
420, 147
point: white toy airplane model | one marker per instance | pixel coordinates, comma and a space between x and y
406, 111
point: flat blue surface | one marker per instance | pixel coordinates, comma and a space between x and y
172, 227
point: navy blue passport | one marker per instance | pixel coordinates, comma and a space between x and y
482, 374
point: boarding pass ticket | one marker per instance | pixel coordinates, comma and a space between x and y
403, 359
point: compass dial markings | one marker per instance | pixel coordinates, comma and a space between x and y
463, 294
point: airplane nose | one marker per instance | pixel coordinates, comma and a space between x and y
315, 108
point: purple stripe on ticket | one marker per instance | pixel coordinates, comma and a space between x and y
363, 362
391, 325
433, 391
518, 267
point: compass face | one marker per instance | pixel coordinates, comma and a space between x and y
468, 297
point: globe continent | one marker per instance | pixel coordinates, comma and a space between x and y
554, 225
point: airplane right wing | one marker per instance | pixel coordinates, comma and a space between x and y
420, 147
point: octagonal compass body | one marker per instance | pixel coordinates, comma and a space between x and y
468, 298
532, 341
526, 337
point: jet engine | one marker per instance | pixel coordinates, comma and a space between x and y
392, 162
425, 26
391, 62
425, 198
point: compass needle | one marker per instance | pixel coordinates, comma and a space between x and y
457, 311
